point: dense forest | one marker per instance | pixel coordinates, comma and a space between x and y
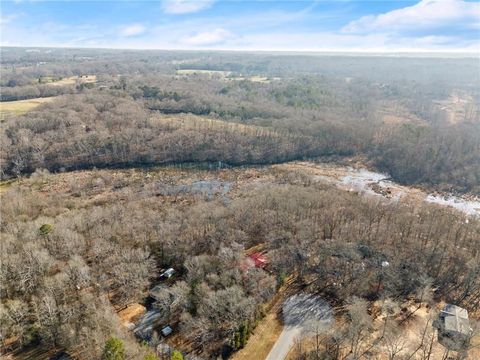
421, 127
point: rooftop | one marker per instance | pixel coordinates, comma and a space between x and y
455, 319
259, 259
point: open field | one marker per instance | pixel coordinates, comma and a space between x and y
189, 121
72, 80
20, 107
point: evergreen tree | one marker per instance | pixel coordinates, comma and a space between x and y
176, 355
114, 349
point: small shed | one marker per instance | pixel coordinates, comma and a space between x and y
454, 331
167, 330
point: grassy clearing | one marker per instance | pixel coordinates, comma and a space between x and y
188, 121
20, 107
72, 80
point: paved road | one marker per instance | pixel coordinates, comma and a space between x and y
284, 343
301, 314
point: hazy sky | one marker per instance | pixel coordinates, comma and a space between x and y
350, 25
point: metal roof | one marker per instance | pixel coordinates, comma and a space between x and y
455, 319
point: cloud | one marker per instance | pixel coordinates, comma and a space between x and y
185, 6
273, 29
132, 30
206, 38
427, 14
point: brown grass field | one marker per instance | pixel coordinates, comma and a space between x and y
73, 80
20, 107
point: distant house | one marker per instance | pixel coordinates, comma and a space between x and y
454, 331
259, 260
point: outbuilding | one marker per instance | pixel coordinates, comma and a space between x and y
454, 331
167, 330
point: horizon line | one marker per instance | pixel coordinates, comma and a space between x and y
359, 51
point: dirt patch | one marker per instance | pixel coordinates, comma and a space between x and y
131, 313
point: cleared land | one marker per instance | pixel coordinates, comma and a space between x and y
72, 80
20, 107
189, 121
459, 107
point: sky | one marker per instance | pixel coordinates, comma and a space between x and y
288, 25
